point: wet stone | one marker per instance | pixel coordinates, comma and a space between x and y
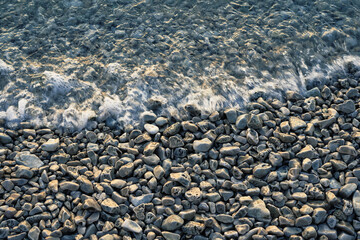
5, 139
241, 121
347, 106
255, 122
151, 128
252, 137
28, 160
51, 145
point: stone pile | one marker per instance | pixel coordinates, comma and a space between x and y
280, 170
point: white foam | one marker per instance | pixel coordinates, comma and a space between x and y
57, 83
5, 68
56, 102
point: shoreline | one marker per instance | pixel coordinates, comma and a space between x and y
282, 170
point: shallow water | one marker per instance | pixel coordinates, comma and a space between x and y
65, 62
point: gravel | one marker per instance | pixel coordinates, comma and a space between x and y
277, 176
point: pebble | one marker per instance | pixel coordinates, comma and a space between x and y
296, 123
4, 232
170, 235
182, 178
175, 142
347, 190
309, 232
252, 137
231, 115
5, 139
284, 170
356, 202
324, 229
319, 215
68, 186
28, 160
257, 209
34, 233
91, 204
131, 226
51, 145
110, 206
188, 214
202, 145
303, 221
346, 107
172, 223
126, 170
151, 160
300, 196
348, 150
261, 170
151, 128
145, 198
193, 228
307, 152
254, 121
230, 151
274, 230
24, 172
275, 159
241, 121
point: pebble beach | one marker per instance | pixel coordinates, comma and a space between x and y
280, 170
116, 127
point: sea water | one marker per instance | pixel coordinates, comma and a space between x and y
66, 63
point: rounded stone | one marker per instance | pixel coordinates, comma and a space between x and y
172, 223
